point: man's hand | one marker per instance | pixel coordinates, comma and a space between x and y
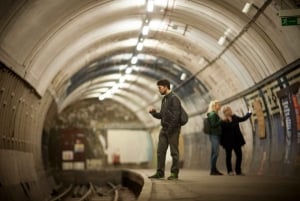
152, 110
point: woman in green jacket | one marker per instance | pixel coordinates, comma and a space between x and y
215, 134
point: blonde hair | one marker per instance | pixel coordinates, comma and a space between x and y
212, 106
225, 109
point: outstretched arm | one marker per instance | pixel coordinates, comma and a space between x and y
244, 118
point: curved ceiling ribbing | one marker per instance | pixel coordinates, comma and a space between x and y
136, 93
144, 91
151, 67
183, 32
84, 39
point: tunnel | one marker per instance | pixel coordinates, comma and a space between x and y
77, 79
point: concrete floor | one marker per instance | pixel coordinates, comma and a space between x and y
200, 186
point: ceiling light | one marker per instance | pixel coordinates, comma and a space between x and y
122, 79
145, 30
150, 6
134, 60
247, 7
227, 32
139, 46
109, 95
183, 76
128, 70
221, 40
122, 67
115, 89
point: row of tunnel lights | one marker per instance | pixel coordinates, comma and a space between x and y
139, 47
134, 59
223, 38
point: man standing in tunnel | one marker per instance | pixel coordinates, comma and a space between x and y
169, 133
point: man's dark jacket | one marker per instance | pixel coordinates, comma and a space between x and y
169, 113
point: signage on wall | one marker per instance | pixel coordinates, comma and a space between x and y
290, 17
290, 111
288, 128
290, 21
73, 149
257, 106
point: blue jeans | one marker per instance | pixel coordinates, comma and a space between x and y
215, 142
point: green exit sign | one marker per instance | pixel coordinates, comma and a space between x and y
289, 21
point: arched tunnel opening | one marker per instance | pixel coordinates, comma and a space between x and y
105, 123
99, 117
77, 79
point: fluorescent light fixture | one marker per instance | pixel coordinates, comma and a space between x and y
108, 96
108, 93
115, 89
247, 8
122, 79
134, 60
128, 70
139, 46
150, 6
122, 67
104, 96
145, 30
227, 32
222, 40
183, 76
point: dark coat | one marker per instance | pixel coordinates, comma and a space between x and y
169, 113
231, 133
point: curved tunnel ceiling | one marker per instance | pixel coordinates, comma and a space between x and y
121, 72
82, 49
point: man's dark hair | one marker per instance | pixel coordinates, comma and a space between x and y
164, 82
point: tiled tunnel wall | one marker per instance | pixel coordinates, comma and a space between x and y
272, 146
